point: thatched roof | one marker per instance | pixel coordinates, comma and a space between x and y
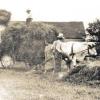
72, 30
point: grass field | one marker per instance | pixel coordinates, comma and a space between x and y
18, 83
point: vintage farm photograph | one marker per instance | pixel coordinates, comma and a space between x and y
49, 50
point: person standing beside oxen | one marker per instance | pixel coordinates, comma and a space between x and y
56, 49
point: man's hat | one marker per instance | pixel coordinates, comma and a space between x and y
60, 35
28, 10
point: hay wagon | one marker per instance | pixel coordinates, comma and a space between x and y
26, 44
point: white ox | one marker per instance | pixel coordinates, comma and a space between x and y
75, 50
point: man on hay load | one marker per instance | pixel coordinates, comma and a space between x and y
29, 17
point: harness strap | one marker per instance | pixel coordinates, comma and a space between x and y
88, 50
72, 51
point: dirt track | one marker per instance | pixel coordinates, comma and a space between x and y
19, 84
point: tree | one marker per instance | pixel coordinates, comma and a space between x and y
94, 29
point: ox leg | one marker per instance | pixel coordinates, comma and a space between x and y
28, 66
73, 62
68, 63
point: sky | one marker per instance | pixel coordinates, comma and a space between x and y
54, 10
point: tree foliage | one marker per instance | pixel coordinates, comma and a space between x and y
94, 28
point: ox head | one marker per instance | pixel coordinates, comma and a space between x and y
92, 49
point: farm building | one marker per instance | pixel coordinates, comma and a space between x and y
71, 30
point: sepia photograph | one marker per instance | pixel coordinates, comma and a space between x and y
49, 50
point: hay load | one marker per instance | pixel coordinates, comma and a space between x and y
4, 17
27, 43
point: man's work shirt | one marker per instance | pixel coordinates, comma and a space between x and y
29, 15
57, 46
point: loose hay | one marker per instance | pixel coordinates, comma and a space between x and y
83, 74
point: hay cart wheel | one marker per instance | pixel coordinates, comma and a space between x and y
7, 61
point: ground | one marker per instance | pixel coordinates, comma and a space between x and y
18, 83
